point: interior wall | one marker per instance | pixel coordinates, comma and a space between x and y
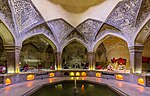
146, 53
74, 53
101, 58
3, 59
99, 11
119, 51
36, 51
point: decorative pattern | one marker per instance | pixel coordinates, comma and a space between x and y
43, 28
106, 28
75, 34
25, 14
89, 28
111, 42
144, 11
6, 15
124, 14
60, 28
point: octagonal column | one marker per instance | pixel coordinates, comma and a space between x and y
13, 58
91, 60
58, 65
136, 58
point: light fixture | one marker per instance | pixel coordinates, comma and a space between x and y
98, 74
77, 73
7, 81
119, 77
51, 74
141, 81
30, 77
71, 73
83, 74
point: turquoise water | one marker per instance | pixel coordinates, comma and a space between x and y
66, 89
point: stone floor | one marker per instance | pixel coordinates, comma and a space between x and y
20, 89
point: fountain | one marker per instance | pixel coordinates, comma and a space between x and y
75, 91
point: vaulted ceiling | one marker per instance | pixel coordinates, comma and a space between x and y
87, 20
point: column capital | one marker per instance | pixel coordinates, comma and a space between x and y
57, 53
136, 48
91, 53
12, 48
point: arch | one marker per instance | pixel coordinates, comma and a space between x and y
6, 35
141, 35
106, 35
72, 40
50, 41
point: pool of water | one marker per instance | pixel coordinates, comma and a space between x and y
66, 88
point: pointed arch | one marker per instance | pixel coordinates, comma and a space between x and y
6, 35
106, 35
49, 40
143, 33
72, 40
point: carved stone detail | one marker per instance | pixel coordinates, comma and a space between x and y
107, 31
43, 28
60, 28
6, 15
25, 14
89, 28
75, 34
144, 11
124, 14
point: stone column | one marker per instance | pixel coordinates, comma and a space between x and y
91, 60
58, 64
136, 58
13, 57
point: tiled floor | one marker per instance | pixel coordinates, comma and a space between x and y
21, 88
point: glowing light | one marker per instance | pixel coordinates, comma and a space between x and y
98, 74
82, 88
120, 84
83, 78
83, 74
141, 81
51, 80
77, 73
51, 74
7, 81
72, 78
119, 77
7, 89
98, 79
30, 77
17, 70
77, 78
29, 84
71, 73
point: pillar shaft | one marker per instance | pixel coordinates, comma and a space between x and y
91, 60
136, 58
58, 65
13, 57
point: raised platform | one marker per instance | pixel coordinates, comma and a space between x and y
141, 79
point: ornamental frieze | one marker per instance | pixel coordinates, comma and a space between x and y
60, 28
25, 14
124, 14
89, 28
144, 11
6, 15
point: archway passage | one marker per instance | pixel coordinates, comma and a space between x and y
37, 53
3, 58
146, 56
74, 56
112, 52
101, 59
